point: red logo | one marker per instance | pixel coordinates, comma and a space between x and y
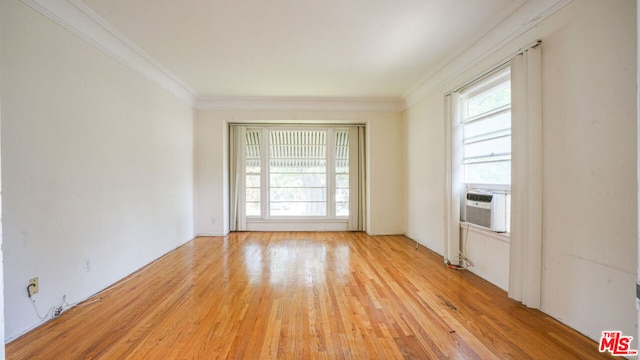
616, 343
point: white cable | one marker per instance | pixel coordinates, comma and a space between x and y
65, 305
461, 259
46, 316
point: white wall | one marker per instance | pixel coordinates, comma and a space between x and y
97, 163
424, 133
589, 142
385, 165
589, 171
489, 253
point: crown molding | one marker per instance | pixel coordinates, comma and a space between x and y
525, 17
82, 21
301, 104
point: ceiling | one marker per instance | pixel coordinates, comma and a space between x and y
301, 48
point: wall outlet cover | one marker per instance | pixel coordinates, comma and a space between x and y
36, 286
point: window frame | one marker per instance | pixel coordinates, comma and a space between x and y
500, 76
265, 173
481, 85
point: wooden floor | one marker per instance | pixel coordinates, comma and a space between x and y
302, 296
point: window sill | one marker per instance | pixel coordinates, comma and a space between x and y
504, 237
297, 225
495, 187
284, 219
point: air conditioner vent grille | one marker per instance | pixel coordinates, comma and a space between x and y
487, 210
479, 216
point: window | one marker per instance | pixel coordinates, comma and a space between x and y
484, 149
297, 178
486, 128
298, 173
253, 173
342, 172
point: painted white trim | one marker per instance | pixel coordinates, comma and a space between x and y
454, 188
211, 234
524, 18
301, 104
82, 21
309, 225
504, 237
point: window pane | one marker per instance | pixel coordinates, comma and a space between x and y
298, 209
253, 181
298, 146
342, 195
253, 208
490, 99
318, 166
342, 151
298, 194
498, 172
342, 181
298, 172
342, 209
253, 194
486, 112
343, 169
298, 180
488, 148
253, 144
253, 169
342, 173
494, 123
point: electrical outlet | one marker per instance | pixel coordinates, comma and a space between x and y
87, 265
34, 287
213, 220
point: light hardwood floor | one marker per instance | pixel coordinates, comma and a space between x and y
302, 296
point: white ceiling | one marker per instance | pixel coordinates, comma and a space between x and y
302, 48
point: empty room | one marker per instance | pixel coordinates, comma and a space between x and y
417, 179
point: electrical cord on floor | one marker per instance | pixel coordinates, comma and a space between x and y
80, 303
55, 311
462, 259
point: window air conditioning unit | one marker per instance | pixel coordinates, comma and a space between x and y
487, 210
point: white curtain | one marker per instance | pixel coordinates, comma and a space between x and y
357, 180
237, 220
525, 264
454, 184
